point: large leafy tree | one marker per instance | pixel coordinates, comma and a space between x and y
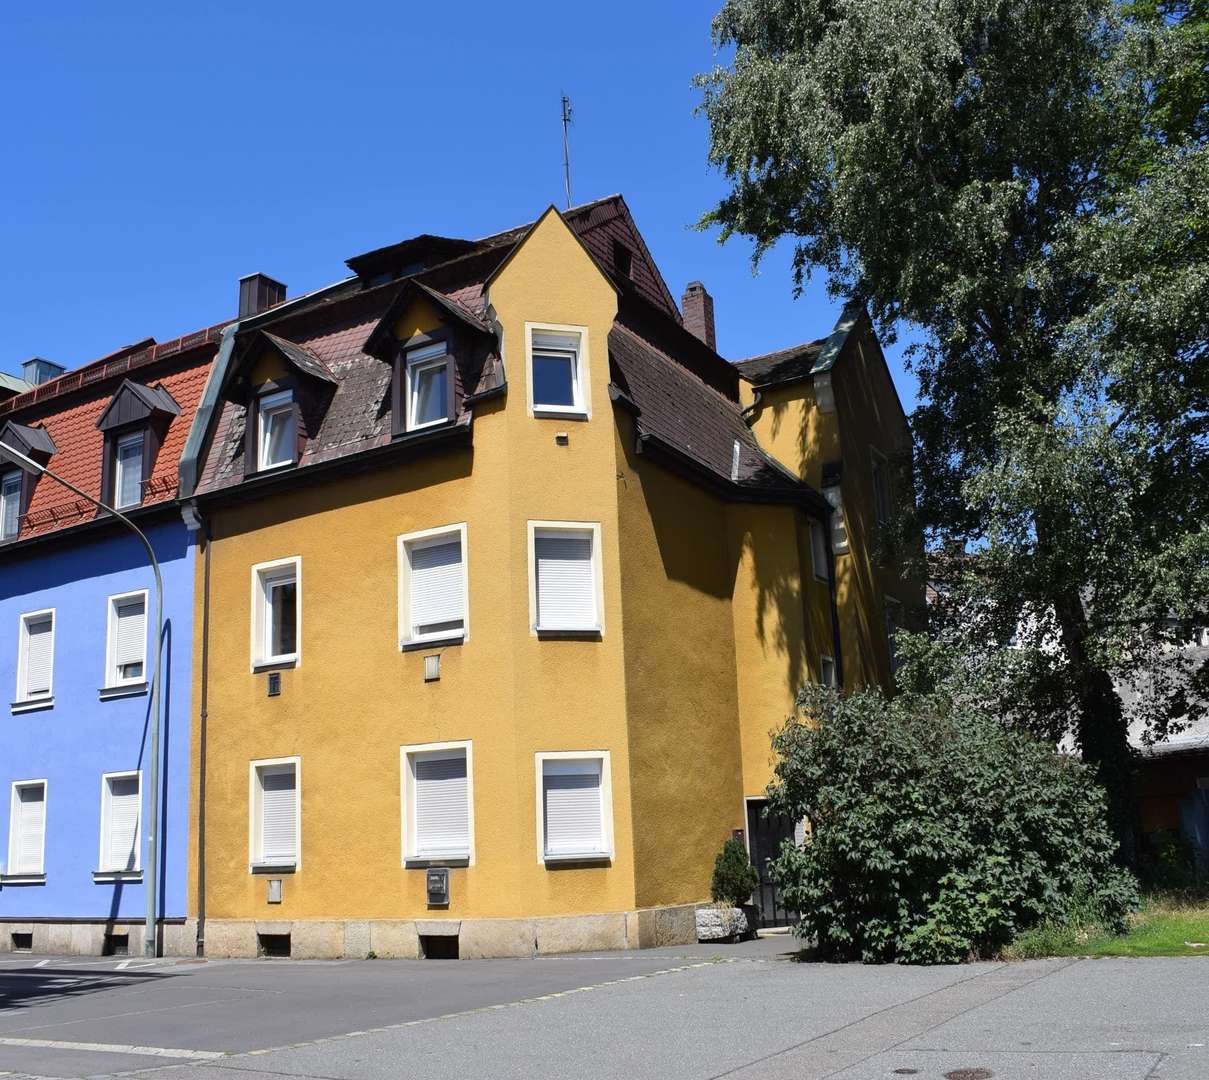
1026, 181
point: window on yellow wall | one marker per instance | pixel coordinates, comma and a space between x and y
818, 551
558, 371
827, 671
839, 529
882, 503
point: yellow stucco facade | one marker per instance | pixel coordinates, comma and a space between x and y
712, 619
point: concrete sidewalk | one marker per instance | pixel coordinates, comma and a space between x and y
745, 1011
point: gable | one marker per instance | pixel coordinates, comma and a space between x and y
135, 403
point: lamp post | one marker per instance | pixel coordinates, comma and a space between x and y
151, 885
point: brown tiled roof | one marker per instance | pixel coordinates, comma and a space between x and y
784, 365
693, 420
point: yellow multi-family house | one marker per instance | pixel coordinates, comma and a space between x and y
505, 577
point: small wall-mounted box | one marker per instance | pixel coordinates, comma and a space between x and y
274, 683
438, 886
432, 667
274, 890
562, 438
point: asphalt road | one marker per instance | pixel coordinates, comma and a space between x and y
742, 1012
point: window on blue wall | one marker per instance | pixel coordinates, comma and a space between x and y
121, 806
126, 649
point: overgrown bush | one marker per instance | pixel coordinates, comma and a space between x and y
734, 876
937, 833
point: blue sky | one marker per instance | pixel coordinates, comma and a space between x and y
156, 152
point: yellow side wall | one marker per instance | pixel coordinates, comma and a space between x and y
355, 699
867, 415
677, 575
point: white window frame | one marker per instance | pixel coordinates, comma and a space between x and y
23, 697
5, 476
824, 660
266, 406
262, 576
12, 820
109, 871
408, 755
606, 801
118, 469
256, 816
112, 678
819, 543
409, 541
593, 527
834, 494
413, 367
581, 408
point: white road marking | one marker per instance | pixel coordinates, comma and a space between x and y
116, 1048
42, 963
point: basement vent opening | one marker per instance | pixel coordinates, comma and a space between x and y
273, 945
23, 942
439, 946
116, 945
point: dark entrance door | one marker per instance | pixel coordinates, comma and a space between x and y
764, 835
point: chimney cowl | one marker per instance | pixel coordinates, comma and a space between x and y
37, 370
257, 293
698, 308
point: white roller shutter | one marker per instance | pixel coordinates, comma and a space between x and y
573, 809
437, 600
29, 829
278, 815
130, 634
442, 806
566, 581
39, 638
122, 823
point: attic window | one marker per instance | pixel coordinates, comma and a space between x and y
128, 470
10, 504
623, 260
277, 429
429, 386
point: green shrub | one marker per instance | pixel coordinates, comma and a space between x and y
1167, 860
938, 834
734, 876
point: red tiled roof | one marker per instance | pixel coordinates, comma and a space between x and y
69, 407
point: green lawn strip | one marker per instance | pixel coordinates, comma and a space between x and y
1166, 926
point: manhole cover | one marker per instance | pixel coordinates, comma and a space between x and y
969, 1074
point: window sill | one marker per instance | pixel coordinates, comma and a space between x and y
409, 645
284, 664
423, 862
33, 705
110, 877
264, 470
590, 634
581, 858
274, 867
553, 412
108, 693
22, 879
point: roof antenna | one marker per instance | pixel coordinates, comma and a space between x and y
567, 148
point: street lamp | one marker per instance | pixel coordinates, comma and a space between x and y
151, 886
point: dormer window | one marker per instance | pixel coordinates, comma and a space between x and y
429, 386
134, 424
10, 504
277, 430
128, 470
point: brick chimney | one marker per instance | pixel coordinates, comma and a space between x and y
698, 308
257, 293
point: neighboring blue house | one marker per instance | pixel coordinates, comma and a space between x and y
76, 611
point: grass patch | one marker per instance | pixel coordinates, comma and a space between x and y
1168, 924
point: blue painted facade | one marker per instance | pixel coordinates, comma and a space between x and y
79, 738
